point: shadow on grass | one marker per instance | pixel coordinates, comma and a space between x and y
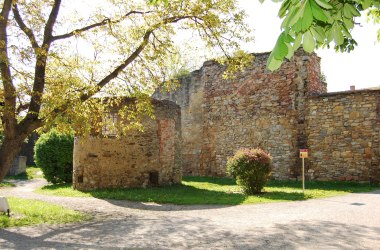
6, 184
22, 176
223, 181
182, 195
221, 191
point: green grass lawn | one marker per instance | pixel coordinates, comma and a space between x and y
31, 173
6, 184
208, 190
29, 212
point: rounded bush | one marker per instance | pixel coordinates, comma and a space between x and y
251, 169
53, 153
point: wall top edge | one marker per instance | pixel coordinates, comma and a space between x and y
348, 92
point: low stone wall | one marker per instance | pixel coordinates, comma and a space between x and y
343, 132
137, 159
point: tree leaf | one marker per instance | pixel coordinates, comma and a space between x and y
280, 50
297, 42
318, 33
288, 38
347, 11
297, 27
349, 23
353, 9
366, 4
308, 42
338, 36
272, 63
284, 8
317, 12
290, 51
297, 15
323, 4
307, 18
329, 34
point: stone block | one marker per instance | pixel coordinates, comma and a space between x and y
18, 166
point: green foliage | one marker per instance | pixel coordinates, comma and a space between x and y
53, 153
318, 23
6, 184
29, 212
374, 15
212, 190
251, 168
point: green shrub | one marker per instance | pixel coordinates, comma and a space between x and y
53, 153
251, 169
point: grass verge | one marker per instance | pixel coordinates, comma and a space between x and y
6, 184
31, 173
208, 190
26, 212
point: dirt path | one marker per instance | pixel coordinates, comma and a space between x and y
344, 222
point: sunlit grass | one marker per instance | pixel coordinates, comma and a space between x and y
6, 184
26, 212
208, 190
31, 173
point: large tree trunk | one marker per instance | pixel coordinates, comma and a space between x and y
8, 152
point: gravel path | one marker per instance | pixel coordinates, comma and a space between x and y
344, 222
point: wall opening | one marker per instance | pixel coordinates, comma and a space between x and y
80, 178
153, 178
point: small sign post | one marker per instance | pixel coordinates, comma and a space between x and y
304, 153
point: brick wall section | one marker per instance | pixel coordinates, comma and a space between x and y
343, 136
137, 159
257, 108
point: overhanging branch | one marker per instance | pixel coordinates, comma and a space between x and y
28, 32
98, 24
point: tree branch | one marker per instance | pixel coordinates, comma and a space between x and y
48, 33
28, 32
40, 66
123, 65
22, 107
9, 117
99, 24
132, 57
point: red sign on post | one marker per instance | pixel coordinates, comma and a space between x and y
304, 153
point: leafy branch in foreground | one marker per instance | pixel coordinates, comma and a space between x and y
318, 23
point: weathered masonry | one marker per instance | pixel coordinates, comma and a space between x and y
137, 159
280, 112
343, 132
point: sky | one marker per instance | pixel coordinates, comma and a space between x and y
359, 67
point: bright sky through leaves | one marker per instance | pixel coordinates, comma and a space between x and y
359, 68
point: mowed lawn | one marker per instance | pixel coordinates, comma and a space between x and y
209, 190
26, 212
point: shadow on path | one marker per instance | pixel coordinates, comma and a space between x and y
134, 232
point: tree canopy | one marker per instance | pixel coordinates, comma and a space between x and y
318, 23
55, 56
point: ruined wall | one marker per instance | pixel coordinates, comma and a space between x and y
343, 131
257, 108
137, 159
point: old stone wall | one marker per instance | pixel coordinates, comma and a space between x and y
343, 132
257, 108
137, 159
